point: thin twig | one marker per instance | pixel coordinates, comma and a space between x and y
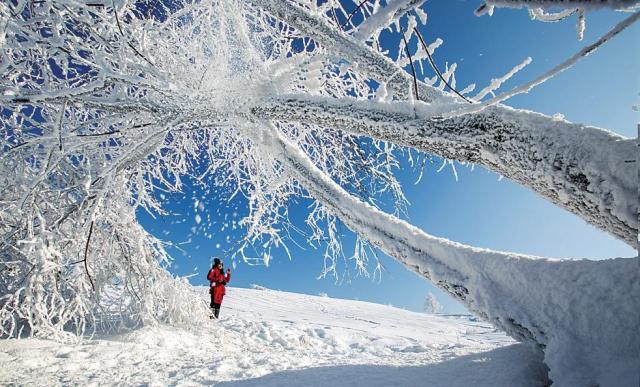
413, 69
362, 3
335, 17
126, 256
114, 131
27, 275
115, 12
435, 68
202, 77
86, 249
586, 51
64, 106
98, 134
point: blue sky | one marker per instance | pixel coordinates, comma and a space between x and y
480, 208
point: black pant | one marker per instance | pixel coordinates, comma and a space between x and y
216, 309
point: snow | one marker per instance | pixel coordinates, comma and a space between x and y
272, 338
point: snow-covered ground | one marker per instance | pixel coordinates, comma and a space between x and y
273, 338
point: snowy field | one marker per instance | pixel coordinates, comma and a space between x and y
272, 338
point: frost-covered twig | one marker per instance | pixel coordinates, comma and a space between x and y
352, 14
497, 82
583, 53
115, 13
550, 17
373, 64
538, 9
86, 251
385, 16
566, 4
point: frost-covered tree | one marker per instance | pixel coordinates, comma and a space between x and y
431, 304
106, 103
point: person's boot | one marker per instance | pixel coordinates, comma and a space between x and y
216, 312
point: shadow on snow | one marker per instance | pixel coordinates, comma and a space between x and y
514, 365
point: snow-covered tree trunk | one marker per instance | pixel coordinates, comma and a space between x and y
535, 300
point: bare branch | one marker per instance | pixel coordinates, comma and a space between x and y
86, 250
435, 68
413, 69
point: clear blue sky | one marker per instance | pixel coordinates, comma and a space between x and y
479, 209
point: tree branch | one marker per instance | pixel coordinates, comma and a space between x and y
362, 3
115, 12
577, 167
583, 53
612, 208
413, 69
86, 250
435, 68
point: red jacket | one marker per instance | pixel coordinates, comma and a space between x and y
217, 280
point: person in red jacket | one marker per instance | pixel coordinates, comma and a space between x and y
217, 282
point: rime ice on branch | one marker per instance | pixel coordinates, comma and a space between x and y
104, 106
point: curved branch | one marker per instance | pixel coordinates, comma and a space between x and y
580, 168
550, 17
413, 69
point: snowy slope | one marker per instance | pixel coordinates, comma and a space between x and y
272, 338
